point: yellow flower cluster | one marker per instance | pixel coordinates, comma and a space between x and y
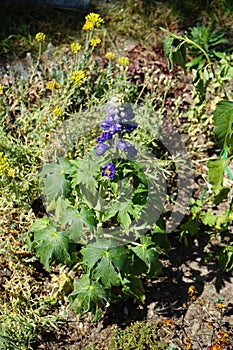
1, 89
78, 77
110, 55
75, 47
4, 165
52, 85
95, 41
92, 20
123, 61
58, 112
40, 37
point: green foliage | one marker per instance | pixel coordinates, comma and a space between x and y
83, 204
209, 39
137, 336
223, 125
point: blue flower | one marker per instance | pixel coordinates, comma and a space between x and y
127, 147
104, 136
129, 127
109, 170
101, 148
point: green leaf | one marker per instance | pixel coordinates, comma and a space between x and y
84, 173
106, 272
148, 253
179, 54
216, 173
208, 219
190, 226
88, 296
132, 285
221, 195
225, 259
223, 125
107, 261
168, 44
53, 179
52, 246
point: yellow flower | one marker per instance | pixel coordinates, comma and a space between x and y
192, 291
123, 61
75, 47
58, 112
1, 89
11, 172
92, 20
78, 77
110, 55
40, 37
52, 84
95, 41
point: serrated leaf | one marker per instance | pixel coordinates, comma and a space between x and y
148, 253
223, 125
53, 180
216, 173
208, 219
84, 174
53, 246
106, 272
88, 296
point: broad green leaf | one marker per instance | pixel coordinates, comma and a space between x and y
88, 296
148, 253
106, 272
216, 173
208, 219
84, 173
53, 246
223, 125
53, 180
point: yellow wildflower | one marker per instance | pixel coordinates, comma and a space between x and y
1, 89
123, 61
52, 84
75, 47
192, 291
95, 41
40, 37
58, 112
11, 172
78, 77
92, 20
110, 55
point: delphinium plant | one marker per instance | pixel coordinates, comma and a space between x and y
103, 211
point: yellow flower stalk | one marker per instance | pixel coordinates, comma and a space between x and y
95, 41
110, 55
78, 77
123, 61
52, 85
92, 20
40, 37
75, 47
